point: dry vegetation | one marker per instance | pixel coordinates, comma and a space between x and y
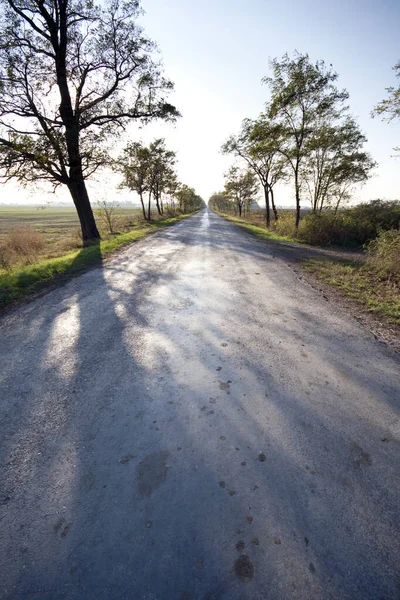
30, 233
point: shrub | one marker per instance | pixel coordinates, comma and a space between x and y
20, 246
383, 255
350, 227
285, 225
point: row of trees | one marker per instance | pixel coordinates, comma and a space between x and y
150, 172
305, 135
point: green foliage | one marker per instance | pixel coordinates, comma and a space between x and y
188, 200
351, 227
302, 96
150, 170
220, 202
72, 75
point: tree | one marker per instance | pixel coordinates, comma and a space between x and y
389, 108
72, 75
336, 161
241, 188
135, 167
108, 213
301, 94
162, 171
258, 144
148, 170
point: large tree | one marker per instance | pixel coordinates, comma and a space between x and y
302, 93
72, 74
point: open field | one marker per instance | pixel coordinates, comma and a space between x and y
51, 221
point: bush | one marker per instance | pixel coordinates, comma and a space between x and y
20, 246
326, 229
383, 255
285, 225
350, 227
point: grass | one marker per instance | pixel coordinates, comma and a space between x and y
260, 232
360, 283
21, 282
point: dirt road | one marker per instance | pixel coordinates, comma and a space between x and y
193, 421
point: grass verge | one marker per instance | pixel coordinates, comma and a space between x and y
22, 282
377, 296
260, 232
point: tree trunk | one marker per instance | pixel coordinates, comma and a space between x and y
143, 208
296, 183
267, 208
239, 209
77, 188
149, 208
273, 203
76, 182
158, 205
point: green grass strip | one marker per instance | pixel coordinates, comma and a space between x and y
22, 282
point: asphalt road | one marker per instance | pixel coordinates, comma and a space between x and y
194, 421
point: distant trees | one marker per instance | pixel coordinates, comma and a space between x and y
389, 108
241, 188
149, 171
220, 202
72, 74
304, 134
188, 200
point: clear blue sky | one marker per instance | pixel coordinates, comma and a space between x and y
217, 51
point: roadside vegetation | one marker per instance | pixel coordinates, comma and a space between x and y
27, 266
375, 283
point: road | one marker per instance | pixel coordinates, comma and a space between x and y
195, 421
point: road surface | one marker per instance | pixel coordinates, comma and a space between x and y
194, 421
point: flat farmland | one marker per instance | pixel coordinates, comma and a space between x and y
52, 222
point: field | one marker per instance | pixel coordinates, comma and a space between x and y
52, 222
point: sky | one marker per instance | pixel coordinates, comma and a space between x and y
217, 52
